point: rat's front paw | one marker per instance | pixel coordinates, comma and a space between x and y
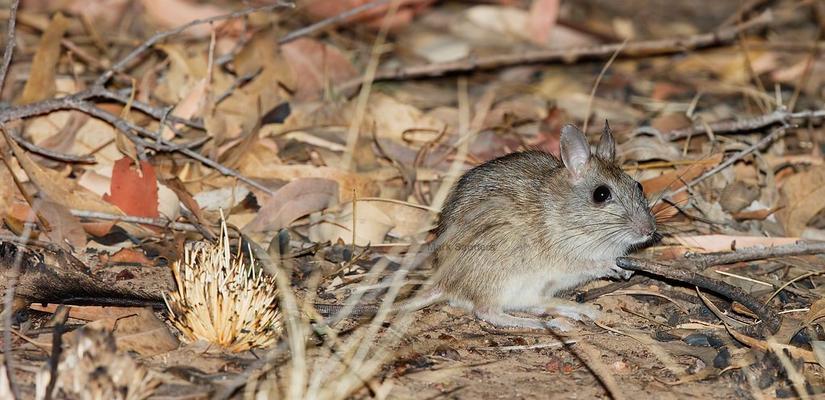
618, 272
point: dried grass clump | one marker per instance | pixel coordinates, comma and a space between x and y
91, 369
223, 299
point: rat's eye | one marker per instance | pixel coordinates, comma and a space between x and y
640, 188
601, 194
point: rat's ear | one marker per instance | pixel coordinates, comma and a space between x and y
607, 146
575, 151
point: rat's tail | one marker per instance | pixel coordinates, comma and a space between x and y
337, 312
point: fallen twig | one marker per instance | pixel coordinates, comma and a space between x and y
7, 54
162, 223
769, 317
704, 261
8, 293
569, 55
780, 116
335, 19
54, 155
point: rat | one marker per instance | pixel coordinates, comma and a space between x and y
519, 229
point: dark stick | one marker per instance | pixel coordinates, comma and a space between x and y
781, 116
765, 313
68, 158
8, 295
704, 261
9, 52
592, 294
569, 55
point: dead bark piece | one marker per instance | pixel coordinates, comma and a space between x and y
53, 276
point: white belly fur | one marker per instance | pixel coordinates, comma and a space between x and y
535, 289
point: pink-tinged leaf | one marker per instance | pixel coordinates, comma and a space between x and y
543, 16
374, 18
708, 243
135, 192
169, 14
292, 201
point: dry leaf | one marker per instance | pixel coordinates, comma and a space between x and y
542, 19
389, 118
815, 312
191, 105
223, 198
292, 201
134, 191
141, 332
316, 66
63, 226
674, 180
173, 13
59, 188
40, 84
371, 225
407, 219
803, 196
374, 18
347, 181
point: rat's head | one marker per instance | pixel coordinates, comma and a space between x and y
607, 207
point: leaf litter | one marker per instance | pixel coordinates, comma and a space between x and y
246, 112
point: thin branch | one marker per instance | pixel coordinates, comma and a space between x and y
775, 134
333, 20
780, 116
10, 42
155, 112
8, 295
54, 155
159, 222
570, 55
707, 260
156, 38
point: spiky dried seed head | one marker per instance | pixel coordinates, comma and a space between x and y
223, 298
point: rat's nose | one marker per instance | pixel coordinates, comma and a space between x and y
645, 226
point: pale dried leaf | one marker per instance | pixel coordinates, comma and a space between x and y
371, 225
803, 196
710, 243
292, 201
40, 84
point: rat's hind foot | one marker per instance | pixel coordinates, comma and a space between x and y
503, 320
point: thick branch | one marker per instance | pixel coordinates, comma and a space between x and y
768, 316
